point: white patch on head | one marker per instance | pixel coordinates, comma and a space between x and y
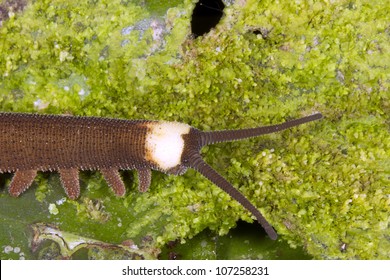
164, 143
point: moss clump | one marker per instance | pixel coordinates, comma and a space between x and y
324, 186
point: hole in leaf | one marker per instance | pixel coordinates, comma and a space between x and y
206, 15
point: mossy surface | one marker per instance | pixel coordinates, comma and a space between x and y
323, 186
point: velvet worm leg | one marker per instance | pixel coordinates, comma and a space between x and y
114, 180
21, 181
70, 182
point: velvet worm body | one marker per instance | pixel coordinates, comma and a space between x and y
30, 143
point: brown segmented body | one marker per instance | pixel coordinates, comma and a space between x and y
50, 142
31, 143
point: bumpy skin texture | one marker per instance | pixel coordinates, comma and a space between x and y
67, 144
50, 142
31, 143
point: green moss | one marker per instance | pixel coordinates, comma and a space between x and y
324, 186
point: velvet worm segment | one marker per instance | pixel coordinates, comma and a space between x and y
30, 143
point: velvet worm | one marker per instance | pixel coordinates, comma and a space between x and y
31, 142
